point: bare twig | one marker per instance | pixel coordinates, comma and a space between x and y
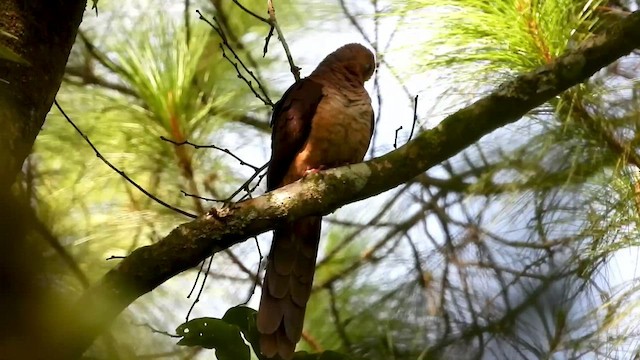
256, 280
264, 20
373, 43
354, 22
274, 23
395, 139
204, 281
195, 282
221, 15
415, 117
156, 331
98, 55
225, 44
331, 254
87, 76
369, 254
184, 193
417, 263
120, 172
264, 98
196, 146
245, 185
340, 326
266, 41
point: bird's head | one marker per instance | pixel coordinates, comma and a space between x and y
355, 61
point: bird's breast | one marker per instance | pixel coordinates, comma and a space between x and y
340, 132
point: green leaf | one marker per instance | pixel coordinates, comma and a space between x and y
245, 318
212, 333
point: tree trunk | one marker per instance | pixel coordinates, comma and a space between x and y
41, 33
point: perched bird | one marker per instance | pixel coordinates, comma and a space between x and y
322, 121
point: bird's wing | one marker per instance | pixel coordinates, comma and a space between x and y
291, 121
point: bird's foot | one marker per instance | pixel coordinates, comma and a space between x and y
312, 171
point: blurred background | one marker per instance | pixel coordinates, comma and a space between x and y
524, 246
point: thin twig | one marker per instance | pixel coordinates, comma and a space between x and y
156, 331
120, 172
340, 326
221, 15
100, 56
195, 282
204, 281
395, 140
256, 281
266, 41
252, 189
415, 117
264, 20
86, 75
245, 185
354, 22
184, 193
274, 23
196, 146
264, 99
417, 263
225, 44
380, 55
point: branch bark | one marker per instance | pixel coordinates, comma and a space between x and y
188, 244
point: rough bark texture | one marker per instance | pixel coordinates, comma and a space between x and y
41, 33
320, 194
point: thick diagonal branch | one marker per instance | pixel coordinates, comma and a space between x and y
190, 243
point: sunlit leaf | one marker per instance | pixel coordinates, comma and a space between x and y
215, 334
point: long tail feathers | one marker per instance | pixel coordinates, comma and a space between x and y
287, 286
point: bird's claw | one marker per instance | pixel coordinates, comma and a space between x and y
312, 171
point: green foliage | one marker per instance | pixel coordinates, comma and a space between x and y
494, 38
245, 319
162, 71
212, 333
224, 336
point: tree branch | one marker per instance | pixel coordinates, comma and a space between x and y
319, 194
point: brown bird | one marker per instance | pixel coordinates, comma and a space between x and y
322, 121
